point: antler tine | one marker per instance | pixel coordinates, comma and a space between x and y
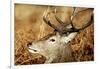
61, 22
72, 18
88, 24
46, 13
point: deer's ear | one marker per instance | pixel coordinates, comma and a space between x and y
81, 18
57, 34
70, 37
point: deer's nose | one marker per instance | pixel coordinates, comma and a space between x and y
30, 43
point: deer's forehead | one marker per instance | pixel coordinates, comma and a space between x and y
52, 35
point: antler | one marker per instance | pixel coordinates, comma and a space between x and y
60, 21
46, 13
63, 28
73, 29
60, 28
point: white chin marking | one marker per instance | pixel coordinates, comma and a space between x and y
31, 51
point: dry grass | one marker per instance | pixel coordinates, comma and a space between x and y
30, 28
83, 45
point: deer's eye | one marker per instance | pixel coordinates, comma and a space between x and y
52, 40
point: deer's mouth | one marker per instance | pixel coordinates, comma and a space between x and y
32, 50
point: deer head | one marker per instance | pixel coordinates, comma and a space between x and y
54, 46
